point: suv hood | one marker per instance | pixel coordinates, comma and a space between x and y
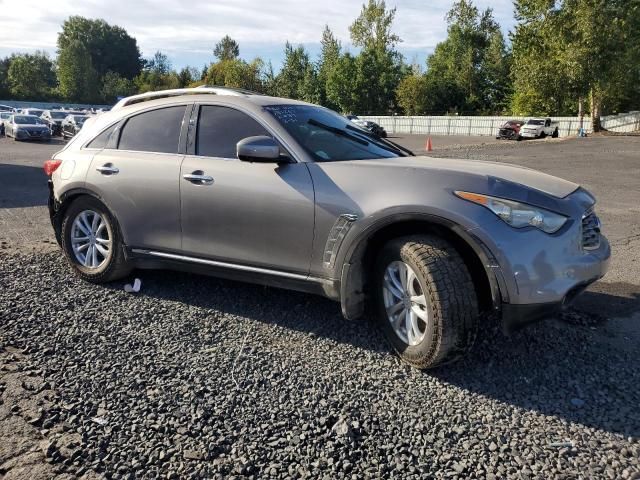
527, 177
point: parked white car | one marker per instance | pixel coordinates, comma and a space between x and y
539, 128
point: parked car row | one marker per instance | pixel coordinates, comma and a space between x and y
84, 111
31, 123
532, 128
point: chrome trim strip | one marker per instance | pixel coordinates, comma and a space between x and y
233, 266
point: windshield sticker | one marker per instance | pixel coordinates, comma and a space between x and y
286, 114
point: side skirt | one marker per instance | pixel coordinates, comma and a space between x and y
151, 259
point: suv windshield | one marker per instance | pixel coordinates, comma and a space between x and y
58, 115
327, 136
535, 122
27, 120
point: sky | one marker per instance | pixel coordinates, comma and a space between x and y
188, 31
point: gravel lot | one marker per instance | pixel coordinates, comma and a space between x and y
197, 377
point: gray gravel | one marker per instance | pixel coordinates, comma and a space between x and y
197, 377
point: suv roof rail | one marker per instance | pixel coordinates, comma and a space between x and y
145, 97
241, 91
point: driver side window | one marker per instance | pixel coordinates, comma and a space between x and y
221, 128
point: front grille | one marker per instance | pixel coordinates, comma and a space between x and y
590, 231
36, 133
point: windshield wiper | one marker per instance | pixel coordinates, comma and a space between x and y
337, 131
382, 142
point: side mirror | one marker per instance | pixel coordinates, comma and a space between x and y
258, 149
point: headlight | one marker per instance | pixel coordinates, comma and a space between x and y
516, 214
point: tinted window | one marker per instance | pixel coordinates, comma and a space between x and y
102, 140
221, 128
154, 131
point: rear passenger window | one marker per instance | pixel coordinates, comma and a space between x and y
154, 131
102, 140
220, 128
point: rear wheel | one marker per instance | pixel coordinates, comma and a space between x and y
556, 134
425, 300
92, 243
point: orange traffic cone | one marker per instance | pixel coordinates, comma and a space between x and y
428, 146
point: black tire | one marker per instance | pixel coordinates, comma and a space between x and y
543, 135
451, 300
116, 265
556, 134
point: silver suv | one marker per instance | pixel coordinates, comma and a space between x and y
293, 195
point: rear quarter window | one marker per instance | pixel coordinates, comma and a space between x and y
102, 140
153, 131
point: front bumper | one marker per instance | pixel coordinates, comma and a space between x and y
538, 274
527, 134
517, 316
25, 135
507, 133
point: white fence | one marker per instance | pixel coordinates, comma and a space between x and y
624, 122
488, 126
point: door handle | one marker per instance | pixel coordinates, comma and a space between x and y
198, 178
108, 169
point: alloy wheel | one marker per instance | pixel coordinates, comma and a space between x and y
405, 303
91, 239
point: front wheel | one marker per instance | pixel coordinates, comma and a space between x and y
425, 300
92, 243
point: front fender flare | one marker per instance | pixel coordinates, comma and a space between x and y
352, 269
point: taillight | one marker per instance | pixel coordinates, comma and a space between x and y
51, 166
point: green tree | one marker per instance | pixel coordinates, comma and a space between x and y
269, 80
76, 76
412, 94
111, 48
378, 67
114, 86
236, 73
571, 51
159, 63
543, 85
4, 77
472, 64
226, 49
341, 88
372, 28
297, 79
31, 76
329, 57
187, 76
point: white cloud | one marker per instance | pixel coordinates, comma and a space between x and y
187, 31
